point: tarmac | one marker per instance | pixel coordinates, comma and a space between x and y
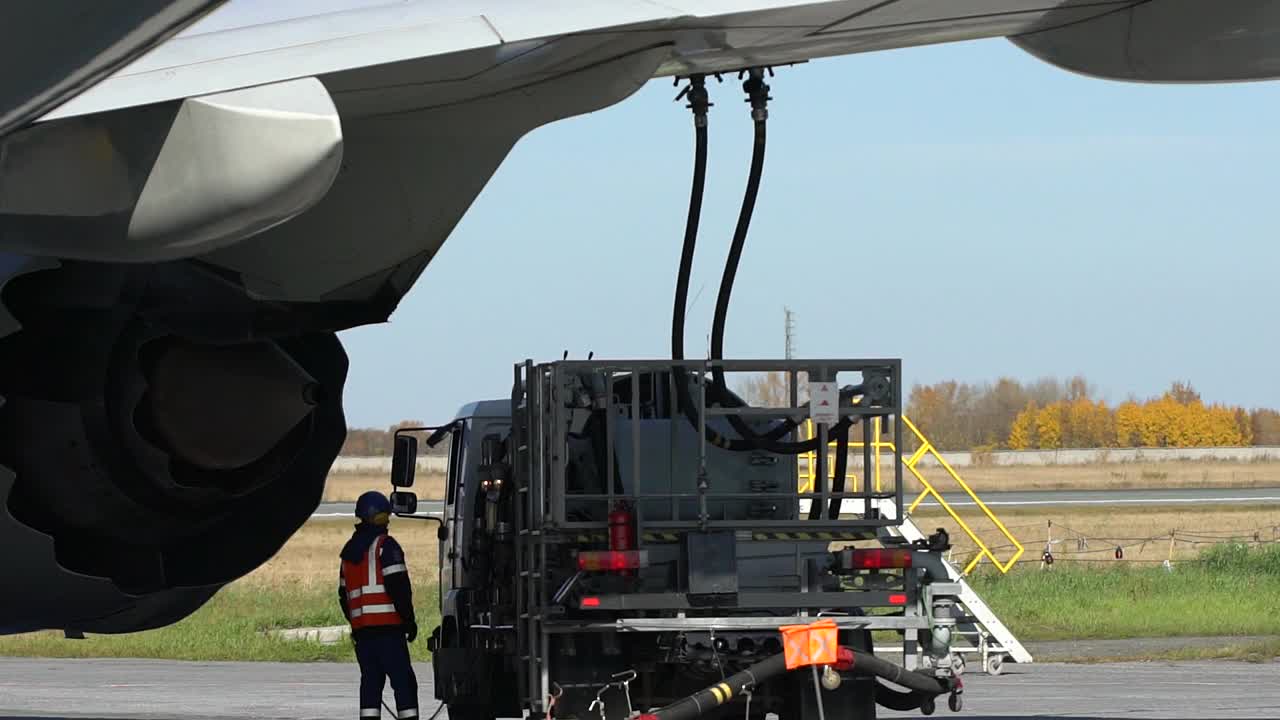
145, 690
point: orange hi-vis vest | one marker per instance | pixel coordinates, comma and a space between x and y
367, 598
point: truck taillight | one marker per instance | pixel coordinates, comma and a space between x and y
613, 560
877, 559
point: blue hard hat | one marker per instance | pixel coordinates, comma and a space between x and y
372, 504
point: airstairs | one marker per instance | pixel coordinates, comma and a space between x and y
981, 633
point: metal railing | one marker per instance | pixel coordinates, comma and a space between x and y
810, 467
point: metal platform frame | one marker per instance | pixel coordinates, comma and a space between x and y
540, 403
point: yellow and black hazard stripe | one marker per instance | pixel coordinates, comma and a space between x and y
722, 693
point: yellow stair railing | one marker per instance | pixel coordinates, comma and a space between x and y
925, 449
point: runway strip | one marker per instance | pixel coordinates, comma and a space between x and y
147, 690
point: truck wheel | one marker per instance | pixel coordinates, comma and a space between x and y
995, 664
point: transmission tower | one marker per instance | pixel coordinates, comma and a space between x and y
789, 328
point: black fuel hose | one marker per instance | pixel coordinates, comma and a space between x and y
715, 696
868, 664
837, 479
708, 699
900, 701
758, 94
750, 440
699, 103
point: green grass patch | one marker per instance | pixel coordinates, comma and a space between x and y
229, 627
1229, 590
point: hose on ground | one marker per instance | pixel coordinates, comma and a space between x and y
900, 701
922, 687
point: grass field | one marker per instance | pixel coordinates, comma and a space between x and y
344, 487
1121, 476
1229, 591
1218, 592
296, 588
1142, 532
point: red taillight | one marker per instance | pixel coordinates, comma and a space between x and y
588, 602
897, 599
612, 560
878, 559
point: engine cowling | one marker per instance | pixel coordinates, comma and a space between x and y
149, 456
1187, 41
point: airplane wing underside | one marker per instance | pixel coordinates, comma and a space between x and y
64, 46
701, 36
395, 114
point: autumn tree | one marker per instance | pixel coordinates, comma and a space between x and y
1049, 426
1265, 425
1022, 432
1128, 420
769, 389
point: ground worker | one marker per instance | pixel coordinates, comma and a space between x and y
374, 592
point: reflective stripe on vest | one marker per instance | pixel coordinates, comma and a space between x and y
367, 597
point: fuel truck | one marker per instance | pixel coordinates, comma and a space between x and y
630, 539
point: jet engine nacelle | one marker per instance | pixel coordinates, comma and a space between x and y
1168, 41
149, 456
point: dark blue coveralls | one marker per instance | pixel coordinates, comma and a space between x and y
383, 651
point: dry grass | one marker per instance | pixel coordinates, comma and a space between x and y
344, 487
1119, 476
1104, 528
310, 557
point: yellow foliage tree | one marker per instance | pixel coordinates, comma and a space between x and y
1049, 426
1022, 434
1128, 423
1088, 424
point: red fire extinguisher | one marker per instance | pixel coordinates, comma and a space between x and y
621, 531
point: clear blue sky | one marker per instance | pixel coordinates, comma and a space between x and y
1002, 216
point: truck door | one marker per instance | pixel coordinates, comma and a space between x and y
450, 548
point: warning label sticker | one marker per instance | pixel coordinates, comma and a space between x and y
824, 402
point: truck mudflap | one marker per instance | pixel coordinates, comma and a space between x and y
922, 688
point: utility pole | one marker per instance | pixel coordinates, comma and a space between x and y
789, 328
789, 331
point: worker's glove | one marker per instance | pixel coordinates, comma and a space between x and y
411, 632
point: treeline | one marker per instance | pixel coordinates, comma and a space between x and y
1007, 414
373, 442
1052, 414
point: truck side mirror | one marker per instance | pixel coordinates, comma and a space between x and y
404, 461
404, 503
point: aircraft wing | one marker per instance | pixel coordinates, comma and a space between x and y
221, 207
243, 45
52, 49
